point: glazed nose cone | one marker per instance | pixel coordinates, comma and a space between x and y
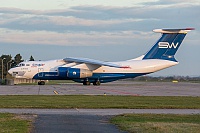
10, 71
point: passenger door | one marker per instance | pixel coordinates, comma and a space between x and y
40, 72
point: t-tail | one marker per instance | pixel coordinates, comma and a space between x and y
165, 48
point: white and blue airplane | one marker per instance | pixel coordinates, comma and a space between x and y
88, 71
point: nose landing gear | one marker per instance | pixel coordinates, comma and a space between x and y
41, 83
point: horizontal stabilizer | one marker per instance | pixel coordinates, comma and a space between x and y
184, 31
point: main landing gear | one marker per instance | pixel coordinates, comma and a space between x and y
41, 83
96, 83
86, 83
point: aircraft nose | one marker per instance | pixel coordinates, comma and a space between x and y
10, 71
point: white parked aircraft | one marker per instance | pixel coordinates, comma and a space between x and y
87, 71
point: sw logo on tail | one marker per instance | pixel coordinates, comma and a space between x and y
87, 71
167, 45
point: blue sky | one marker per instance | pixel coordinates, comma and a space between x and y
104, 30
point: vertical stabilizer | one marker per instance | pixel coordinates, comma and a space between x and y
165, 48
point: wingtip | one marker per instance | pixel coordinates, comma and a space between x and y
189, 28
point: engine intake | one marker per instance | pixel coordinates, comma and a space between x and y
67, 72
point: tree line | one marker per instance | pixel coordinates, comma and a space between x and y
168, 78
7, 62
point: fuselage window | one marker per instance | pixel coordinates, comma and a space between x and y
27, 64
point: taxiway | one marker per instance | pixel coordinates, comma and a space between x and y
115, 88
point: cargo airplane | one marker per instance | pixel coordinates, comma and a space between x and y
88, 71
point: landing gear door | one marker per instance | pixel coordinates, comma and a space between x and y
40, 72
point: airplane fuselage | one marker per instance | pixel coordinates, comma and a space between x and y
49, 70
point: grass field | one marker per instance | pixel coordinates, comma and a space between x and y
158, 123
10, 123
82, 101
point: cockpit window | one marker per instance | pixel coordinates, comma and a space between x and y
20, 64
32, 65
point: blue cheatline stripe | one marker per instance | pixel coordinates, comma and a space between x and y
102, 77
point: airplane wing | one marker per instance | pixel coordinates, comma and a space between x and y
92, 62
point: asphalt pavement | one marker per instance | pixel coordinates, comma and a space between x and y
59, 123
113, 88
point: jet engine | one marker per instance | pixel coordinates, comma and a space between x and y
67, 72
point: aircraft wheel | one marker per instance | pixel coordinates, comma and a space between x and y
86, 83
41, 83
97, 83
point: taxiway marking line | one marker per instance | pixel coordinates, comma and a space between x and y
56, 92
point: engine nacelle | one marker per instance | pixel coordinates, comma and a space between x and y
67, 72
